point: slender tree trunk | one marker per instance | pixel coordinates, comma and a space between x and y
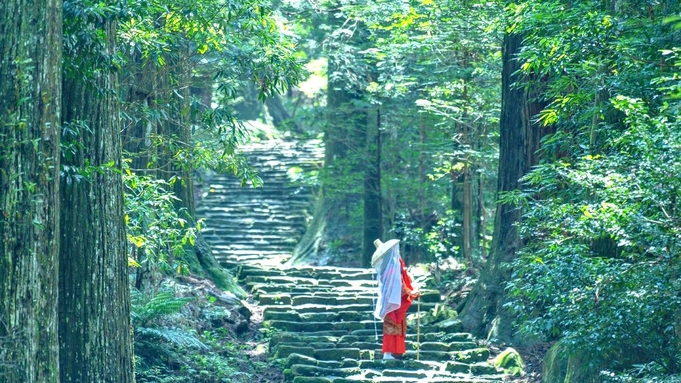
140, 79
372, 190
467, 199
94, 298
483, 313
30, 89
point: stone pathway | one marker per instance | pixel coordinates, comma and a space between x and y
321, 317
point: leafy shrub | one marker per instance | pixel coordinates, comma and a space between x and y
601, 265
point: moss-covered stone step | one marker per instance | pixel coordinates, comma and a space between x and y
385, 379
330, 300
350, 326
370, 344
322, 290
308, 373
365, 310
295, 289
331, 316
252, 279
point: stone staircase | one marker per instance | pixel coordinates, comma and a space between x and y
260, 225
320, 317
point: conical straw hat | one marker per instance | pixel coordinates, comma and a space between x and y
382, 248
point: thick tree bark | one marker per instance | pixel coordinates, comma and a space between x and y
483, 310
30, 89
94, 298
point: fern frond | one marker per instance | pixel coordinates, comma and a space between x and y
164, 303
178, 337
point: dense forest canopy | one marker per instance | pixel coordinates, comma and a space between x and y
534, 144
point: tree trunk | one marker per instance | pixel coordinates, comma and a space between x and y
94, 298
329, 237
280, 117
329, 233
372, 190
30, 85
483, 313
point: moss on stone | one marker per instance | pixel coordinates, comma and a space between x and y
510, 361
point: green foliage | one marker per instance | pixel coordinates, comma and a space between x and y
600, 266
426, 73
156, 231
151, 318
168, 347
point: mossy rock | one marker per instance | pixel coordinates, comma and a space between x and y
560, 366
366, 345
348, 363
450, 325
366, 354
462, 346
483, 369
363, 334
318, 345
351, 339
413, 365
332, 364
471, 356
281, 315
283, 351
274, 299
405, 374
319, 317
394, 364
350, 316
288, 337
457, 367
300, 359
350, 326
337, 354
438, 356
510, 361
292, 326
436, 314
434, 346
313, 371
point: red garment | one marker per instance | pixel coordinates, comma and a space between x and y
395, 322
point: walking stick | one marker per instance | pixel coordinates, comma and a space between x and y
418, 329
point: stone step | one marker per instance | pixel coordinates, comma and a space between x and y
374, 344
300, 369
304, 327
358, 274
325, 290
437, 337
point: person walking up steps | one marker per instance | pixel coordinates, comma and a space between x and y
395, 294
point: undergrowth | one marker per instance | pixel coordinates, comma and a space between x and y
182, 336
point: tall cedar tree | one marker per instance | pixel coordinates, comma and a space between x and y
30, 84
345, 136
519, 141
94, 297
